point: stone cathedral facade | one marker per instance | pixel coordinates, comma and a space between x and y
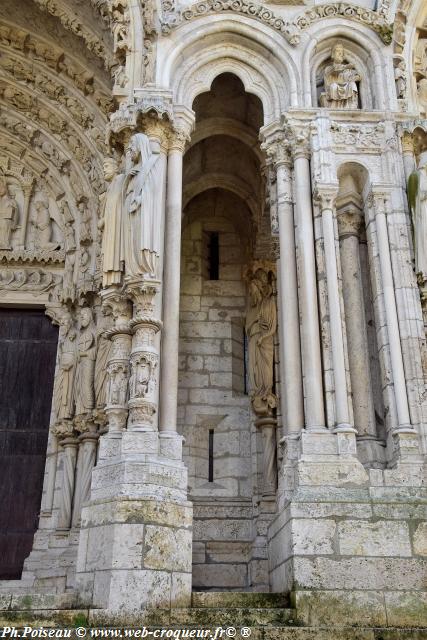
213, 290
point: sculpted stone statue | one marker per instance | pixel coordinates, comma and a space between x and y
132, 212
102, 356
84, 392
63, 395
43, 226
8, 215
142, 191
261, 322
417, 196
341, 90
112, 224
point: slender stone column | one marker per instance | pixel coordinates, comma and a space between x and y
350, 224
401, 397
85, 463
171, 284
327, 203
70, 446
290, 347
310, 337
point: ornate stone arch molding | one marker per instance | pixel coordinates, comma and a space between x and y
224, 46
364, 52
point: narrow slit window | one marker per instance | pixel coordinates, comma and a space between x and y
213, 253
211, 458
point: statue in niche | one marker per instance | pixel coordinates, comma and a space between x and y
63, 395
261, 322
8, 215
102, 357
42, 225
340, 79
417, 197
132, 214
117, 394
85, 226
84, 392
400, 79
69, 235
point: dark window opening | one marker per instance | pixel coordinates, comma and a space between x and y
213, 255
211, 459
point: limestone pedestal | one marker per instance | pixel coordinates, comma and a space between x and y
350, 545
135, 546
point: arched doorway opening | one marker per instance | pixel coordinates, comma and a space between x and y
226, 229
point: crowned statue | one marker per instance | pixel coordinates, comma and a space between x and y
341, 91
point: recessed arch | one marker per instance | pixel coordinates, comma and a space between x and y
227, 45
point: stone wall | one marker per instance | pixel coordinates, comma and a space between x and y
212, 398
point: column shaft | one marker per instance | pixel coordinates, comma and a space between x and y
171, 280
357, 340
335, 320
67, 490
310, 337
290, 347
392, 319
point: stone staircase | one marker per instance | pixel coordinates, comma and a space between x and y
253, 616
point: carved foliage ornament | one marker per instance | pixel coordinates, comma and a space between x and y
289, 29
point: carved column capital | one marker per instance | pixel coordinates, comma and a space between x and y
299, 136
120, 307
350, 223
158, 129
178, 138
326, 196
407, 142
277, 149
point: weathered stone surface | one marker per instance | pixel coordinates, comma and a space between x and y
381, 538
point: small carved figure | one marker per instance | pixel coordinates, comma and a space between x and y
86, 354
261, 321
43, 226
63, 395
118, 387
102, 356
400, 79
341, 90
85, 226
417, 197
8, 215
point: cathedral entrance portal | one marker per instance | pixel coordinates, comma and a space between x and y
28, 342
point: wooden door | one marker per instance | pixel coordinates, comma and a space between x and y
28, 343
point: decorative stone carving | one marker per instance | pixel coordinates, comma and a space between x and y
144, 359
132, 214
102, 359
34, 280
358, 136
417, 196
261, 324
86, 354
64, 383
8, 215
400, 79
42, 225
85, 222
341, 90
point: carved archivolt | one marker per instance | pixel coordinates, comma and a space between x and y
291, 30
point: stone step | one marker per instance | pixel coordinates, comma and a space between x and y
222, 599
232, 616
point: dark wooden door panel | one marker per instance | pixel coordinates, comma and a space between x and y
28, 343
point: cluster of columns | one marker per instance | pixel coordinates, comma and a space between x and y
303, 406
